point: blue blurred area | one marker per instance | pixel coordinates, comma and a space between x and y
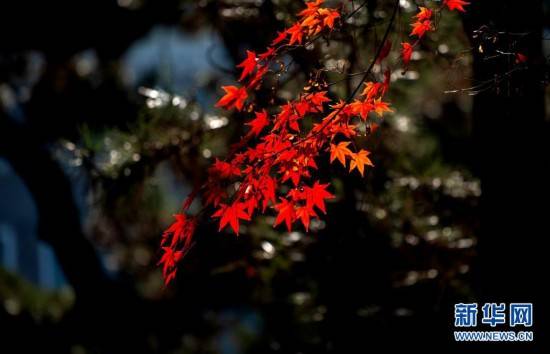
178, 62
20, 249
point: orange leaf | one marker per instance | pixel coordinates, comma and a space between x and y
359, 160
380, 107
340, 152
296, 34
329, 17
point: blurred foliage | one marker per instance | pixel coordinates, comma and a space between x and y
21, 297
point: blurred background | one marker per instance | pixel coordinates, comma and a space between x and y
107, 121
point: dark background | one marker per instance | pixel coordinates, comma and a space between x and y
106, 123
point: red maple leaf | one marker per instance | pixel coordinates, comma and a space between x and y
281, 36
181, 230
304, 213
371, 90
317, 99
424, 14
406, 53
214, 194
296, 34
316, 195
286, 213
223, 170
362, 108
230, 214
456, 5
169, 260
420, 28
267, 188
248, 65
234, 97
259, 123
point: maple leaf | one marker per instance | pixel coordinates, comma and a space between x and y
340, 152
359, 160
348, 130
310, 22
420, 28
362, 108
248, 65
281, 36
234, 97
181, 230
329, 16
380, 107
371, 90
316, 195
318, 98
223, 169
169, 260
302, 108
286, 213
312, 7
267, 189
214, 194
304, 213
287, 118
423, 14
258, 123
230, 214
406, 53
456, 5
296, 34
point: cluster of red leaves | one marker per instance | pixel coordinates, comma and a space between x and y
423, 23
274, 163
